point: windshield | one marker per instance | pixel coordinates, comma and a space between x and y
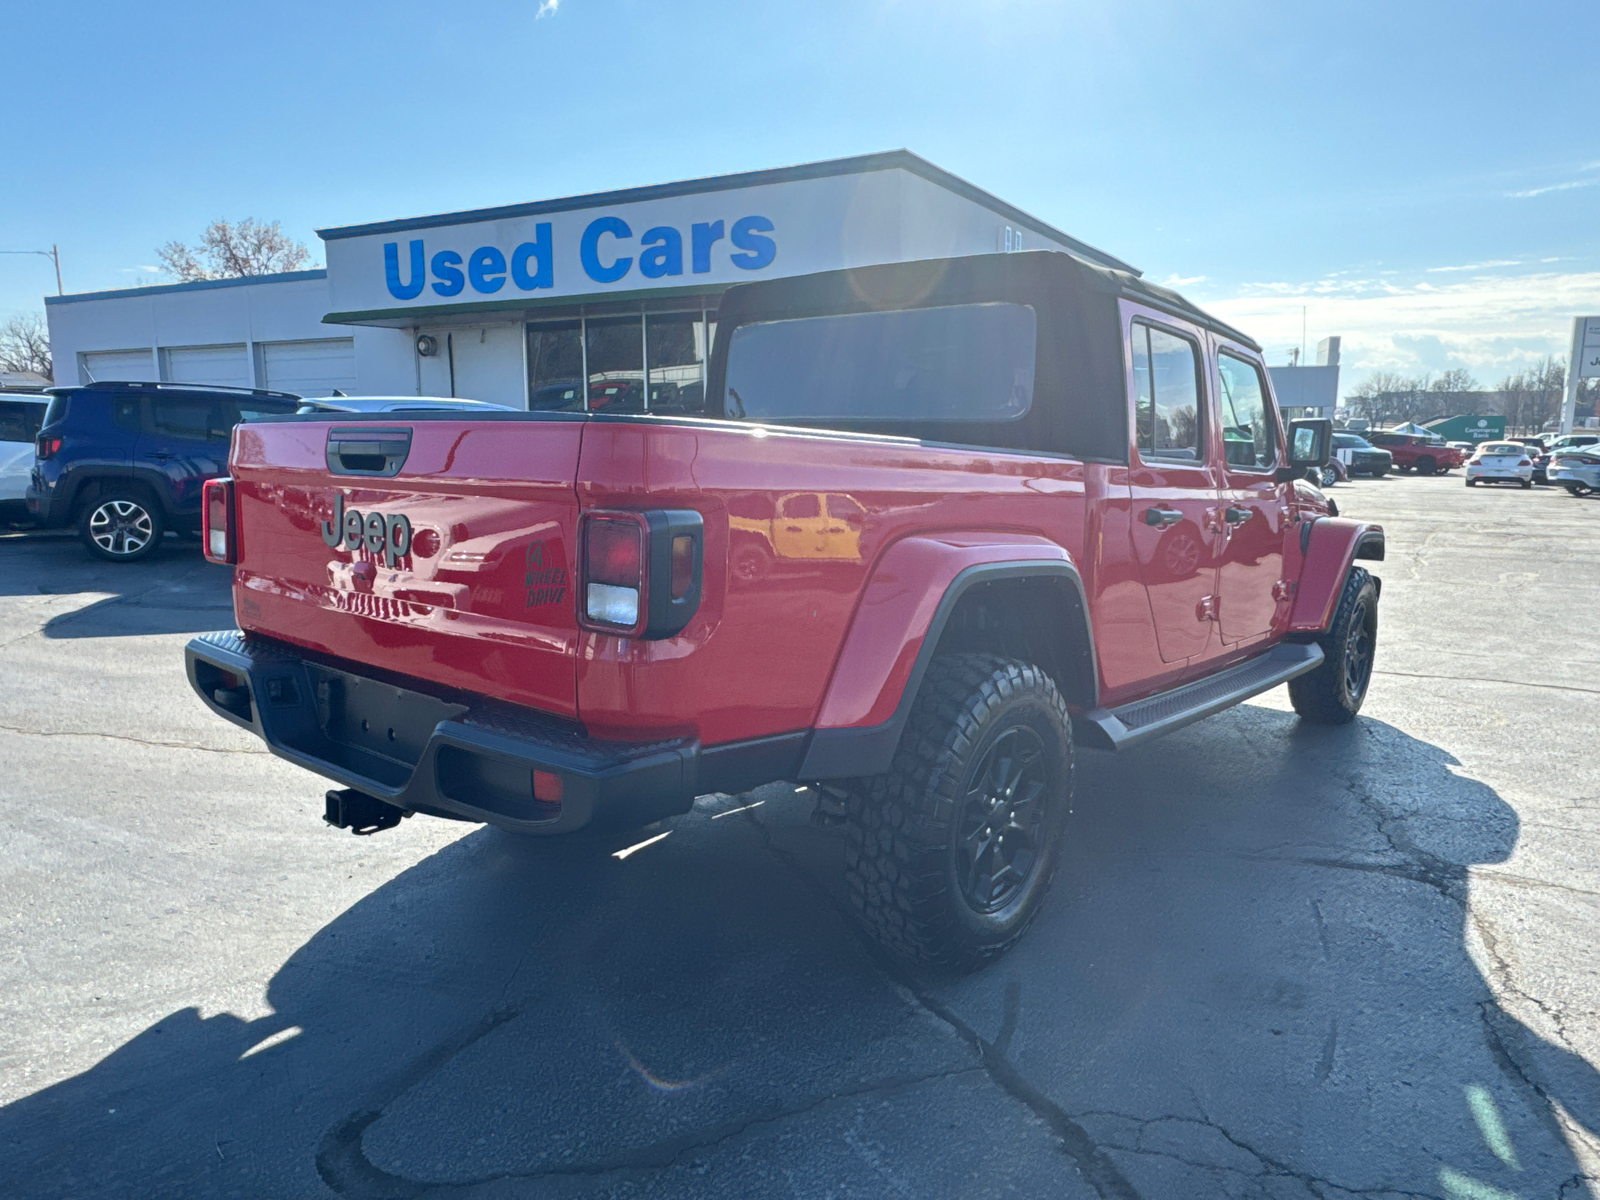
965, 362
1504, 448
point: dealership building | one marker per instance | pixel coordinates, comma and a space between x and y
517, 304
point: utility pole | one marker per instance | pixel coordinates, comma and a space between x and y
52, 254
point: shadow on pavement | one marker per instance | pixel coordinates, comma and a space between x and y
1251, 980
173, 591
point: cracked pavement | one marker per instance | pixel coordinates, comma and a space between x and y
1277, 961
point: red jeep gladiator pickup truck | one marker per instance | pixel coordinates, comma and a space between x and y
937, 521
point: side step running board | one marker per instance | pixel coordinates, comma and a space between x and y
1131, 724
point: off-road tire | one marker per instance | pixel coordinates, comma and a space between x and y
906, 860
1334, 692
133, 509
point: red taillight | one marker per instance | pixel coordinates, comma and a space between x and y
1524, 463
639, 573
46, 447
682, 566
614, 554
217, 525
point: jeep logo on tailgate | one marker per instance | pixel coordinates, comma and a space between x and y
388, 534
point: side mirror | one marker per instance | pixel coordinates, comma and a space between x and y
1310, 442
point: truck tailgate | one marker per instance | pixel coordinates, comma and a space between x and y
472, 589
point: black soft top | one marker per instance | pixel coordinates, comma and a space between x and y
1080, 405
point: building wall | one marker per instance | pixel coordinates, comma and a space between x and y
248, 317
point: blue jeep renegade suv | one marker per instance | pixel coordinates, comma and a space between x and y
126, 462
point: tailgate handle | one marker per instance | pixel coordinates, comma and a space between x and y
368, 451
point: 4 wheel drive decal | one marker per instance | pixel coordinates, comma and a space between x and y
388, 534
545, 580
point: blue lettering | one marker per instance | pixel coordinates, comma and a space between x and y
665, 256
487, 268
747, 235
589, 249
701, 236
538, 250
391, 271
446, 269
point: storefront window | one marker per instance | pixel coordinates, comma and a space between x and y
677, 357
555, 366
614, 353
616, 364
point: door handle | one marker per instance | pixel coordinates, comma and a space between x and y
1237, 516
160, 455
1162, 517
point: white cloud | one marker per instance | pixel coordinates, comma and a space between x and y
1482, 266
1553, 187
1490, 324
141, 269
1177, 281
547, 8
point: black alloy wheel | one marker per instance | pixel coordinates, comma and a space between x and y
949, 853
1333, 693
997, 828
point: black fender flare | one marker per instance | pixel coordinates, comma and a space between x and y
849, 752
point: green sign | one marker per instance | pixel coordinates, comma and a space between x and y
1472, 428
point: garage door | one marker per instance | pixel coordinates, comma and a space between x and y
226, 365
105, 365
311, 368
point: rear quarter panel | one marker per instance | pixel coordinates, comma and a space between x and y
777, 603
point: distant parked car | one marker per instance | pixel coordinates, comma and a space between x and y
1417, 452
1571, 441
387, 404
1359, 456
21, 414
1577, 468
1501, 462
125, 462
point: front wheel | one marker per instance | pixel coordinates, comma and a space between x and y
952, 850
1332, 694
121, 525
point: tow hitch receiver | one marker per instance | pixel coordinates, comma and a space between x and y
360, 813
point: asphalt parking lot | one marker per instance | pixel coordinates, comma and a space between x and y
1279, 961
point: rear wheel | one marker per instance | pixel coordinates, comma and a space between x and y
1471, 482
121, 524
1333, 693
951, 851
1579, 489
1426, 465
1329, 476
1527, 483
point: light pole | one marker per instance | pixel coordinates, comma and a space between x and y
52, 254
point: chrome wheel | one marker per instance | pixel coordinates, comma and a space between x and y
1001, 815
121, 528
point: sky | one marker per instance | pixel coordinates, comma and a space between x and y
1420, 178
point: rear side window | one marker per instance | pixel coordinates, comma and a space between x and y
1249, 434
20, 420
181, 417
125, 413
1166, 374
958, 363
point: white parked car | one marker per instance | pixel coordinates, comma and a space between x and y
1576, 468
1501, 462
21, 414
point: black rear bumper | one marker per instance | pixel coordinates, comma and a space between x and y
462, 757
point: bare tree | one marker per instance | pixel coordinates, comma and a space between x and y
1386, 397
25, 345
228, 250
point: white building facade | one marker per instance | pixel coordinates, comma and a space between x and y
596, 301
